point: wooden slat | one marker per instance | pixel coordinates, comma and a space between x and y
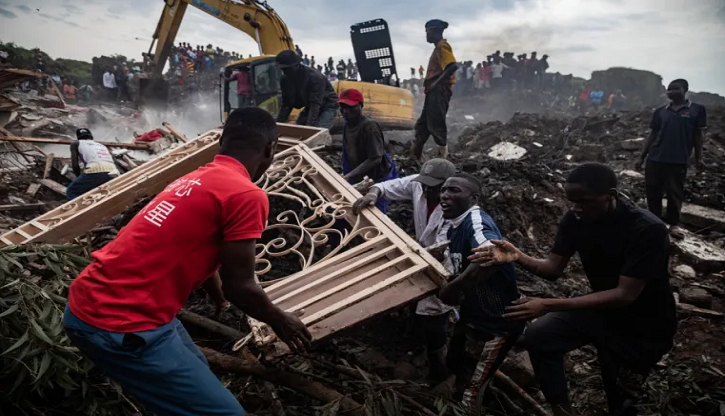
53, 185
338, 259
333, 274
364, 294
38, 225
347, 283
23, 233
133, 146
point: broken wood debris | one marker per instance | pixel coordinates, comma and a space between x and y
54, 186
179, 136
22, 207
134, 146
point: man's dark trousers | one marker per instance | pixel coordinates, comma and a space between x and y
432, 120
625, 360
665, 178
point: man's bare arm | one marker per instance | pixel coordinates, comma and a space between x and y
241, 288
550, 268
447, 72
363, 168
627, 291
699, 139
647, 144
74, 157
502, 252
453, 292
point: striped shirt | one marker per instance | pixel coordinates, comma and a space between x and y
484, 305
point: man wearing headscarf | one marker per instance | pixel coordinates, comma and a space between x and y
438, 83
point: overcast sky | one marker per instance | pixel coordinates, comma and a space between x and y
670, 37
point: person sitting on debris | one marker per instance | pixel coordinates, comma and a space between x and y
439, 80
482, 337
676, 129
122, 308
424, 191
303, 87
363, 145
630, 317
92, 164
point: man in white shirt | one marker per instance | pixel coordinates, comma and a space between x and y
92, 163
109, 84
497, 68
424, 190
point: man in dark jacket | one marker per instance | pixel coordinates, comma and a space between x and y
303, 87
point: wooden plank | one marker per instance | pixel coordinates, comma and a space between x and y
22, 207
312, 319
33, 189
336, 272
48, 166
180, 136
345, 255
38, 225
54, 186
347, 283
133, 146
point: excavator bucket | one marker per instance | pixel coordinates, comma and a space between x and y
374, 52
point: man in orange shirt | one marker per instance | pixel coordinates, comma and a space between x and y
438, 83
122, 308
70, 91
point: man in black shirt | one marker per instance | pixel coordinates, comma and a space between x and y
677, 128
303, 87
630, 316
363, 145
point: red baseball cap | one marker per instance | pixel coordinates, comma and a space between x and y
351, 97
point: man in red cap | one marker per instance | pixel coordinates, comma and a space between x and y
363, 145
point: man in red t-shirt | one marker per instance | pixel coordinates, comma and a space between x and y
122, 307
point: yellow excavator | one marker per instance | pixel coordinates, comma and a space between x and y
392, 107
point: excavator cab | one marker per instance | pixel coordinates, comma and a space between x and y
263, 76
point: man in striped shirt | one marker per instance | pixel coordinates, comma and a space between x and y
482, 337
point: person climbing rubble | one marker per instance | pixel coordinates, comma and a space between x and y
482, 337
122, 308
424, 190
676, 129
92, 164
439, 80
630, 317
304, 87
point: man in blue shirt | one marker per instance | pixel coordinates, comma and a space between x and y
482, 337
677, 128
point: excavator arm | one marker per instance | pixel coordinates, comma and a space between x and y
253, 17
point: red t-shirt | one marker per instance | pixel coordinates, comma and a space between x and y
141, 279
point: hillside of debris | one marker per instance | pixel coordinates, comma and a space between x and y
520, 144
